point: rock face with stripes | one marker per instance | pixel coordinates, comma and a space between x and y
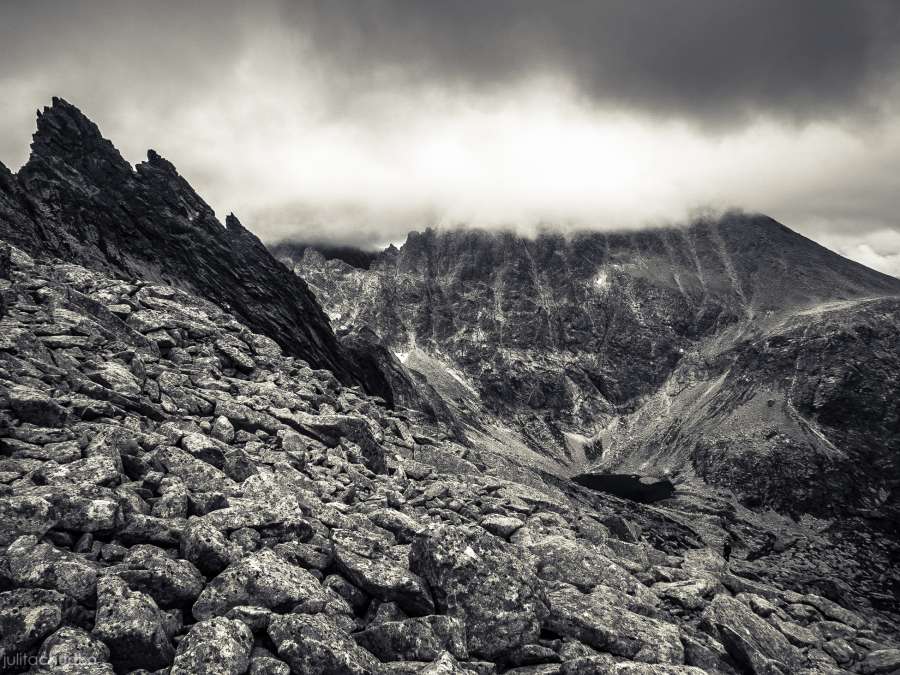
565, 333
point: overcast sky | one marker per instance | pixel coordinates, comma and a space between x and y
357, 121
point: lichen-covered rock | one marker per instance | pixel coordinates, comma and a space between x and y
268, 665
118, 377
141, 529
28, 615
502, 526
24, 515
418, 639
329, 429
206, 547
317, 554
170, 582
235, 355
490, 587
32, 405
218, 646
611, 628
73, 651
132, 626
446, 664
315, 645
880, 661
652, 669
584, 565
350, 593
31, 562
174, 499
89, 471
828, 608
840, 650
704, 652
690, 594
222, 429
197, 474
797, 635
748, 638
84, 509
262, 579
205, 448
244, 417
402, 525
378, 569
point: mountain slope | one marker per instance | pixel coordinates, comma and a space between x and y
576, 340
78, 199
800, 414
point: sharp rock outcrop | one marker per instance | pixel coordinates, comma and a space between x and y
77, 198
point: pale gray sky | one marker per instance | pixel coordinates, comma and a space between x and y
355, 122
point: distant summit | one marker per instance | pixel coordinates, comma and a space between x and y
734, 349
355, 257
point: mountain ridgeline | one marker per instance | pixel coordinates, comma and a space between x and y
745, 363
734, 349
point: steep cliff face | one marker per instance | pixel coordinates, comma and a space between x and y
78, 199
798, 413
735, 350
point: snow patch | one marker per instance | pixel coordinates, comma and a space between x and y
601, 281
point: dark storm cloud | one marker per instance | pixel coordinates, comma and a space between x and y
145, 39
718, 61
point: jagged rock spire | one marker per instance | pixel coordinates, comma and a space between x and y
79, 200
65, 134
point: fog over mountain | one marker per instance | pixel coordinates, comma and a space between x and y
354, 124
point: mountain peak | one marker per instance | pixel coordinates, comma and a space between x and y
65, 134
62, 120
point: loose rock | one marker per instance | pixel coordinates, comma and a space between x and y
478, 580
218, 646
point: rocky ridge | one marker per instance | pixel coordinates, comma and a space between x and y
177, 494
77, 199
